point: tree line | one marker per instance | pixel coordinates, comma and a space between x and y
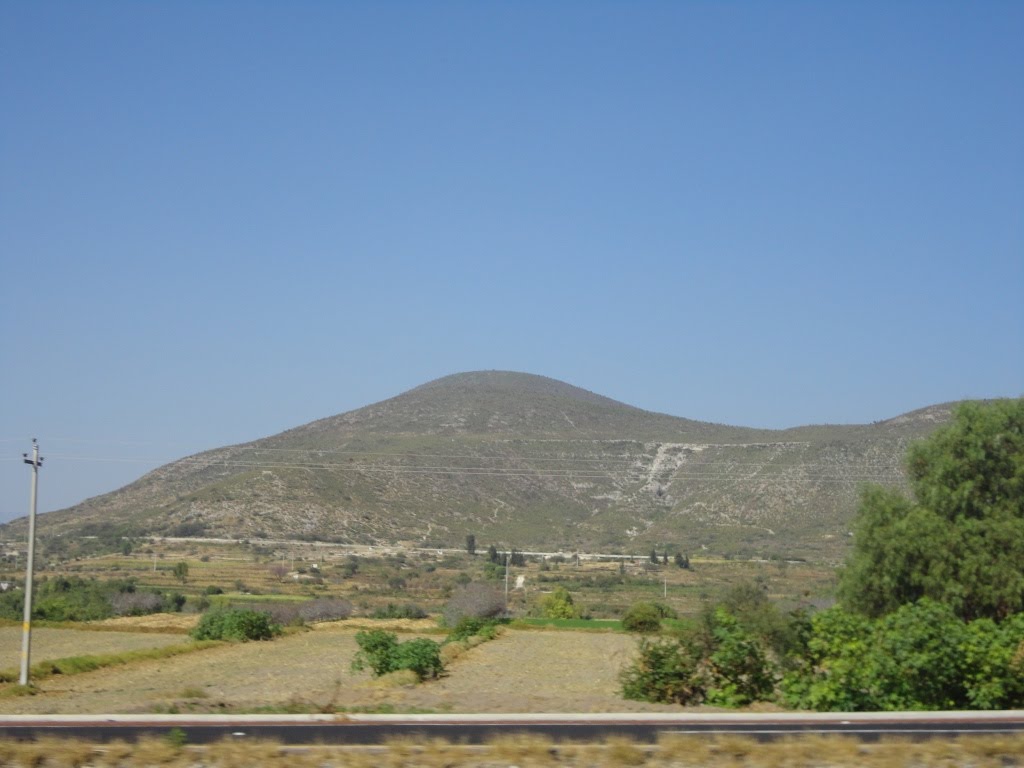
931, 600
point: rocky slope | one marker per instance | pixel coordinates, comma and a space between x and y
519, 460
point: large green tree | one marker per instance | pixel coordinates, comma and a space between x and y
960, 539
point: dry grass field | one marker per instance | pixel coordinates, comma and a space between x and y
48, 644
521, 671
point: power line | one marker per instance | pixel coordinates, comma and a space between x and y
697, 471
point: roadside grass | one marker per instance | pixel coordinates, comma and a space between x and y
811, 751
75, 665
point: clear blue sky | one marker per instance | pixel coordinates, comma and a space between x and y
219, 220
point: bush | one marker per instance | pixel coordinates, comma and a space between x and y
469, 626
558, 605
644, 618
420, 655
75, 599
236, 624
724, 665
667, 671
325, 609
284, 614
392, 611
376, 651
383, 654
475, 600
740, 672
135, 603
921, 657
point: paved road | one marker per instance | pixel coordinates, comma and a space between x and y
374, 729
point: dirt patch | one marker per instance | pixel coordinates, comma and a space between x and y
521, 671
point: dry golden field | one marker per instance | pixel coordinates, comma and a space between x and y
521, 671
59, 643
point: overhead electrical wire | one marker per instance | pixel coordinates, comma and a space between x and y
694, 470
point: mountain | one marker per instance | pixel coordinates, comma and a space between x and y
518, 460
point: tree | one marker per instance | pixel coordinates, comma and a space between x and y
492, 554
279, 571
960, 539
559, 605
471, 544
180, 571
644, 618
476, 600
654, 556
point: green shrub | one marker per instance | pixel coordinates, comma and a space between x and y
667, 671
377, 650
644, 618
740, 672
64, 598
558, 605
921, 657
381, 652
236, 624
421, 656
994, 663
469, 626
724, 664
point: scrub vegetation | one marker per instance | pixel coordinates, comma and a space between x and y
925, 620
930, 617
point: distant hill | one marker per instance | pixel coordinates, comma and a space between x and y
518, 460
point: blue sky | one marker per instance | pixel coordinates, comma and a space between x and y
219, 220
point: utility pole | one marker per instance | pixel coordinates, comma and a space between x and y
508, 555
26, 634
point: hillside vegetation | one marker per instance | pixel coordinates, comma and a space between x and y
521, 459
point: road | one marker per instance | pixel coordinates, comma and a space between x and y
374, 729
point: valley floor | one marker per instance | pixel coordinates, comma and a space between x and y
521, 671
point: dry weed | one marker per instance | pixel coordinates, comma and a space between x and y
113, 754
523, 749
400, 678
684, 749
810, 751
451, 651
998, 748
619, 750
727, 749
64, 753
154, 750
